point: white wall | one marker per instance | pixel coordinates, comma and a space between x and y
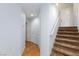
11, 29
76, 14
48, 16
33, 30
28, 30
66, 15
44, 46
53, 24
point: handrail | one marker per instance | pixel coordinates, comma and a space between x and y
54, 25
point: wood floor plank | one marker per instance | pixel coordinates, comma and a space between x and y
31, 49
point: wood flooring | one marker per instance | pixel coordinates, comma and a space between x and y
31, 49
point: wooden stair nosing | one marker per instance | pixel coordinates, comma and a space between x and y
67, 40
56, 53
65, 52
67, 32
67, 27
68, 36
68, 46
62, 51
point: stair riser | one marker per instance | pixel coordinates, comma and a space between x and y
67, 37
56, 53
67, 49
69, 27
69, 30
60, 51
67, 42
68, 33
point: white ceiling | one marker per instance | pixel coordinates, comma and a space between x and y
31, 8
34, 8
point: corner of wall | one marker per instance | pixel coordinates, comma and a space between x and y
78, 29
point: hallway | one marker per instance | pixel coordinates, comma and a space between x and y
56, 27
39, 28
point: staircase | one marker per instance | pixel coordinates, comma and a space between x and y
66, 42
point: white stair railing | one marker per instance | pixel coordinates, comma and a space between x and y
53, 33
